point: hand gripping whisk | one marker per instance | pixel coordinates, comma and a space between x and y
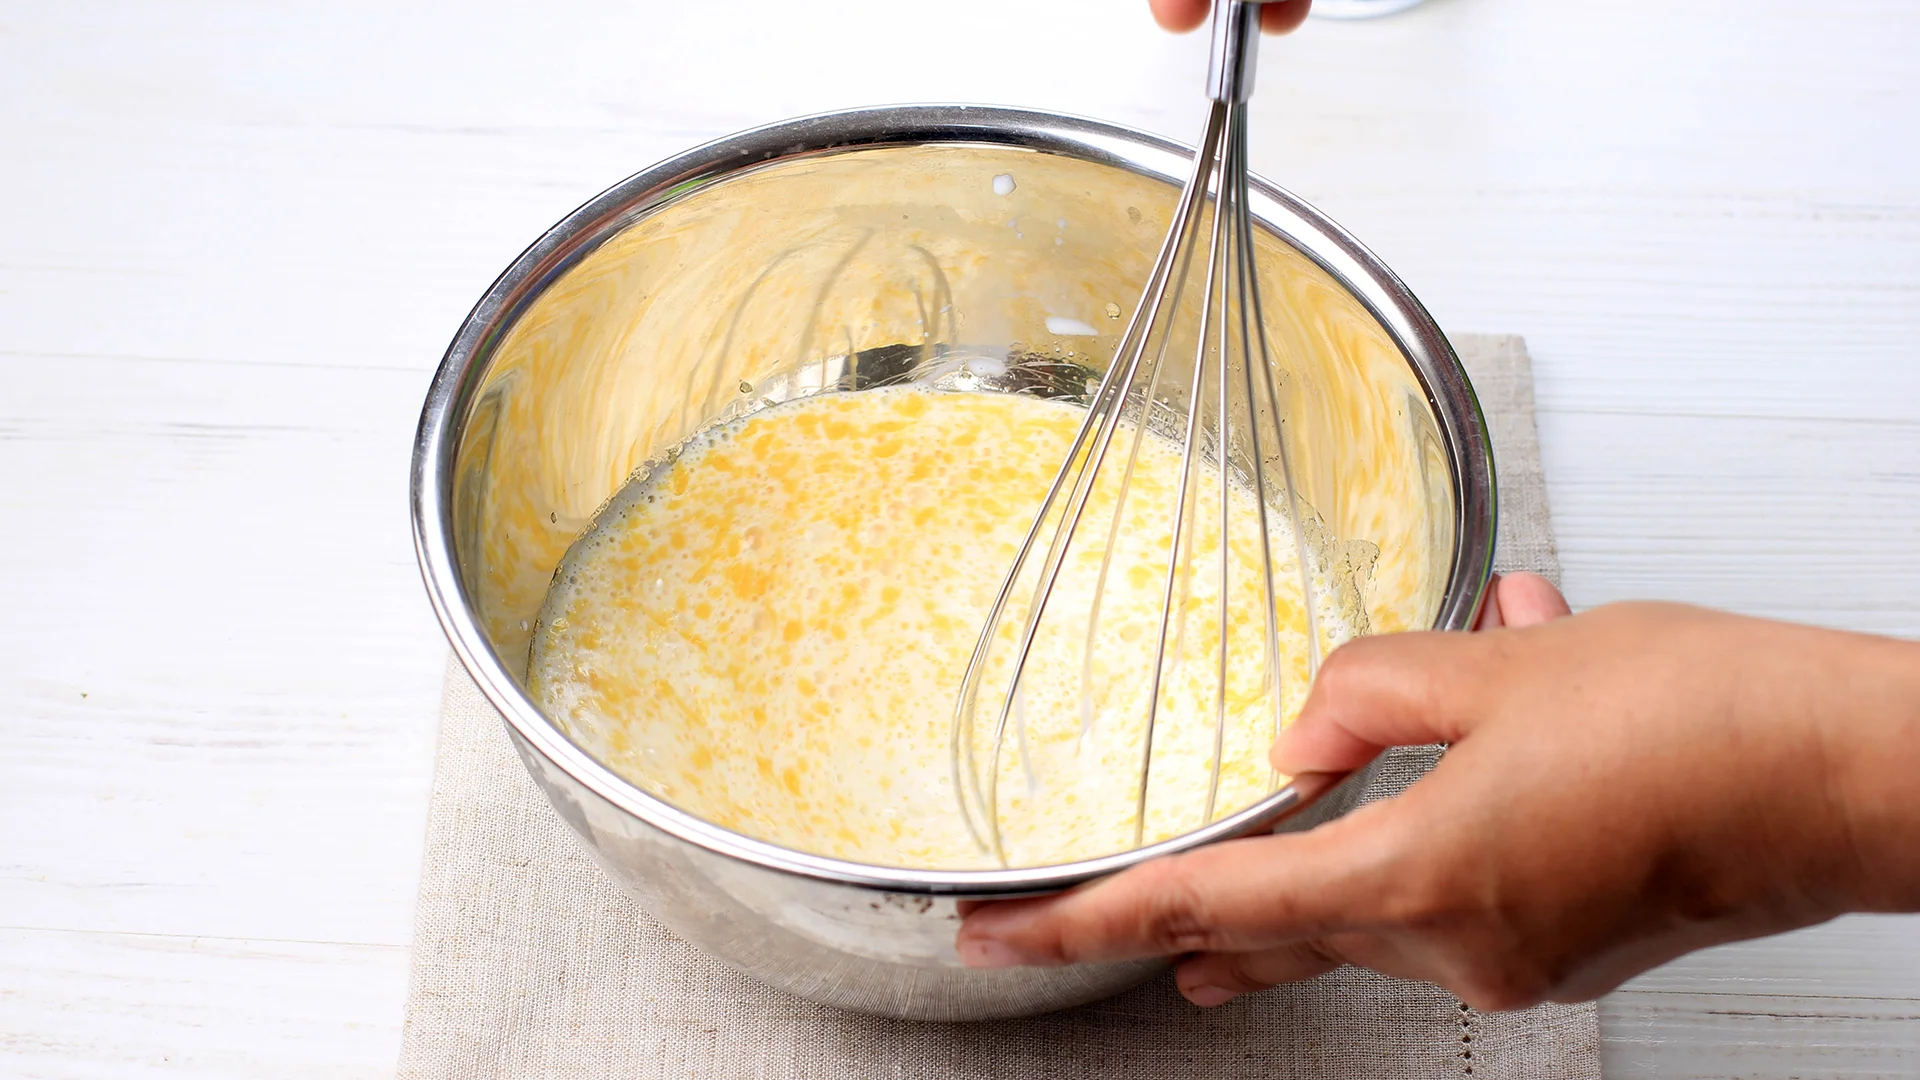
1231, 366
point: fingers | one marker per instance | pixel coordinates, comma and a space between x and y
1257, 893
1392, 690
1216, 978
1405, 689
1283, 16
1529, 599
1180, 16
1276, 17
1520, 599
1490, 608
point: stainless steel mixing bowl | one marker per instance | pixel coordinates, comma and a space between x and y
995, 245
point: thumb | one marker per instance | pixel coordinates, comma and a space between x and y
1521, 599
1376, 692
1239, 895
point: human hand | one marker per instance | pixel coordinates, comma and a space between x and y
1623, 786
1276, 16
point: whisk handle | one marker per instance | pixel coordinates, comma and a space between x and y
1236, 44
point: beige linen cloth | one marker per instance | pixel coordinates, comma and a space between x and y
527, 962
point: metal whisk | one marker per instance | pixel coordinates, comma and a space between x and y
1232, 336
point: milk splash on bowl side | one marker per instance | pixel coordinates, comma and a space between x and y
769, 632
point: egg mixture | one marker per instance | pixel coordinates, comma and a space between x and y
769, 631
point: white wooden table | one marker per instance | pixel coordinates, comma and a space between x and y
234, 238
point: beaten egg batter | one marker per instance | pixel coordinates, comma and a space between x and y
770, 630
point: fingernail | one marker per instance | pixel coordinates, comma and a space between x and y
1208, 996
988, 953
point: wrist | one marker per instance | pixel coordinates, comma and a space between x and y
1871, 729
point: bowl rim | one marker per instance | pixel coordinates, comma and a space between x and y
1422, 344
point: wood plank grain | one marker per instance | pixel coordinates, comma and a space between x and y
1679, 1036
1860, 956
222, 696
1804, 519
81, 1006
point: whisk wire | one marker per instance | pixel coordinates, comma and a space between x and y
1183, 501
1229, 206
1154, 368
1271, 678
1079, 470
1308, 590
1232, 332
